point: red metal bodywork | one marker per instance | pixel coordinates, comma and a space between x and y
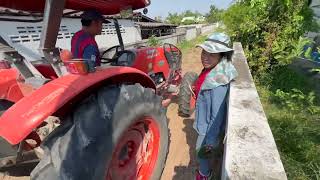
11, 89
12, 84
152, 60
106, 7
143, 150
46, 70
28, 113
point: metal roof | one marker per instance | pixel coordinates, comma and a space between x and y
108, 7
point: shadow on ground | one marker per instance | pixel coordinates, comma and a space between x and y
181, 172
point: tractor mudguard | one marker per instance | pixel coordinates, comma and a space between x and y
28, 113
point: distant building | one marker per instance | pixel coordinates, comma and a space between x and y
198, 19
149, 26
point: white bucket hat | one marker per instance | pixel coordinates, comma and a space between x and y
216, 43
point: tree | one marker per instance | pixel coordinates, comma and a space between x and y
189, 22
269, 30
188, 13
214, 14
174, 18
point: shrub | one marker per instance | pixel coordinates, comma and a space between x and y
269, 30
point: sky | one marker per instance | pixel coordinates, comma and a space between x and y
163, 7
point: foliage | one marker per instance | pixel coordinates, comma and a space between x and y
189, 13
317, 70
186, 45
308, 52
214, 14
293, 113
296, 101
175, 18
269, 30
189, 22
153, 41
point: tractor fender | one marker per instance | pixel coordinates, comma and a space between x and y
28, 113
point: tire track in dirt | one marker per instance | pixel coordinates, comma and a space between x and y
181, 163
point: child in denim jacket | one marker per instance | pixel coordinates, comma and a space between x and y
211, 91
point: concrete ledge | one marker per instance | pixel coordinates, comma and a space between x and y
250, 150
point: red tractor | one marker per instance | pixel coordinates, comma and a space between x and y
107, 124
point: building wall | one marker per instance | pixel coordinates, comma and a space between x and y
25, 36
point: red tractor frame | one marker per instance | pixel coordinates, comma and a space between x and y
108, 124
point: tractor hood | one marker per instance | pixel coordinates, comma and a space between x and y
107, 7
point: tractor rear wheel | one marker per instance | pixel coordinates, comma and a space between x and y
186, 100
5, 148
119, 132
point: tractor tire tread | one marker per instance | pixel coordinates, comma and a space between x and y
91, 132
185, 94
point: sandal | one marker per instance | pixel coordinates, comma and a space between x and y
199, 176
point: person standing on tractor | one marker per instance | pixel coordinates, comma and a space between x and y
211, 89
83, 43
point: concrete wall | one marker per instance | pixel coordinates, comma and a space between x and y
171, 39
192, 31
183, 33
191, 34
25, 36
250, 150
208, 28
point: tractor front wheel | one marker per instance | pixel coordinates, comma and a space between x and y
120, 132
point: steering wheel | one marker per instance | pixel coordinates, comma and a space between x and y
115, 56
128, 59
173, 54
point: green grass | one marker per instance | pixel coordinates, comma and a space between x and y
296, 132
184, 46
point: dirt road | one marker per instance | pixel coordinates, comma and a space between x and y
181, 162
